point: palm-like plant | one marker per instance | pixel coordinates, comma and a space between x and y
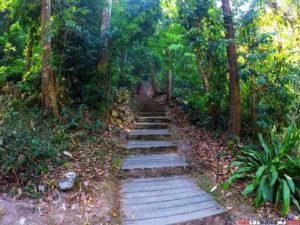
274, 170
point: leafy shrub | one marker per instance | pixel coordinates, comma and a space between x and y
195, 106
274, 170
26, 144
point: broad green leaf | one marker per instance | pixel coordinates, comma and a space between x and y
258, 197
259, 172
278, 195
291, 183
237, 163
296, 203
243, 170
264, 145
249, 188
286, 197
233, 178
274, 175
266, 190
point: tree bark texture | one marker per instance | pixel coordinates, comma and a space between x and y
48, 83
205, 75
28, 57
235, 119
105, 25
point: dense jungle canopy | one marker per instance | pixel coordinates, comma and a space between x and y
234, 67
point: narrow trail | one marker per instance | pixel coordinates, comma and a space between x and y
157, 188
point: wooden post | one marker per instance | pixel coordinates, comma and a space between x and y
169, 87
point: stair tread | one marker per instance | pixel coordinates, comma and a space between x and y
165, 203
149, 144
152, 161
149, 132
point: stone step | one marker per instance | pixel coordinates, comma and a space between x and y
149, 134
153, 110
168, 200
147, 113
155, 106
154, 165
150, 146
153, 119
139, 125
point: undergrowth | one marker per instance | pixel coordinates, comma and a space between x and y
32, 143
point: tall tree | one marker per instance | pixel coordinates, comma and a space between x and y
235, 118
105, 25
28, 57
48, 82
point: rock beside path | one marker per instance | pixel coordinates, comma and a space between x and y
69, 182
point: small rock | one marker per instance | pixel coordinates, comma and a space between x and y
66, 153
67, 183
55, 195
228, 208
214, 188
41, 188
22, 221
290, 216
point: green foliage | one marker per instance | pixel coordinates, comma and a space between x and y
273, 171
195, 106
133, 24
12, 45
27, 144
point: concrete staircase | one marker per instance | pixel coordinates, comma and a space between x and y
156, 189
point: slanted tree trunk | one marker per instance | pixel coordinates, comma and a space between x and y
235, 118
28, 57
48, 83
169, 87
152, 79
105, 25
205, 74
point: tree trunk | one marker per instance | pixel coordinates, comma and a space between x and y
48, 83
152, 79
28, 57
235, 118
105, 25
204, 74
169, 87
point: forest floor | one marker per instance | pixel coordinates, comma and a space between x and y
210, 158
97, 160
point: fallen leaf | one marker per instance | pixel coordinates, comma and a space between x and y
86, 183
1, 211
